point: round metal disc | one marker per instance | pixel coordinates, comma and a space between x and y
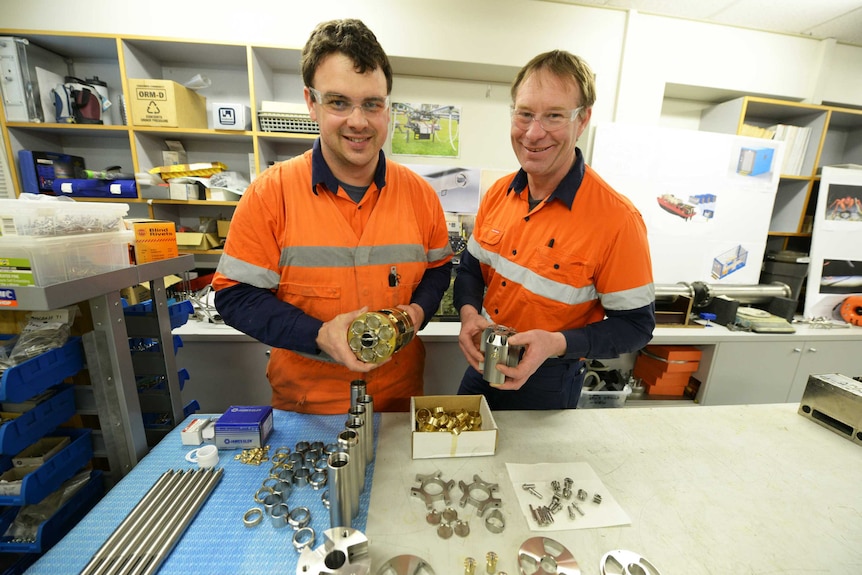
344, 552
541, 555
405, 565
622, 562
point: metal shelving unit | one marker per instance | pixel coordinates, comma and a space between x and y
113, 392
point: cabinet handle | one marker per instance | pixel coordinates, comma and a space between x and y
797, 350
812, 349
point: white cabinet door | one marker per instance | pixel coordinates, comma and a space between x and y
751, 372
843, 357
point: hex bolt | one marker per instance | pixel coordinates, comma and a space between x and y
531, 487
582, 495
491, 564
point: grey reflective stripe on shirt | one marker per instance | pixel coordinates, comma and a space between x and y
439, 254
341, 257
557, 291
246, 273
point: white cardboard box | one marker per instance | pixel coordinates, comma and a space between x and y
231, 116
433, 444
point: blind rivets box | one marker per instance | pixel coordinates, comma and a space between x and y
835, 402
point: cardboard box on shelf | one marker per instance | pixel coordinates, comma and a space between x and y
154, 239
197, 241
430, 444
166, 104
223, 226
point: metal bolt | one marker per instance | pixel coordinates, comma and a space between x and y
491, 564
469, 566
531, 487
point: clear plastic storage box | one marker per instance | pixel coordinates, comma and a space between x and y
23, 217
44, 261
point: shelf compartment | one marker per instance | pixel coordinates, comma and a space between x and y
32, 377
47, 478
29, 426
61, 522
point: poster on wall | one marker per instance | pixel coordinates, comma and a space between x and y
426, 130
835, 271
706, 197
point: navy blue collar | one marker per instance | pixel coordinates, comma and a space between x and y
566, 189
320, 172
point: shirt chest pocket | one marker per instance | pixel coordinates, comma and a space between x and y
321, 302
566, 268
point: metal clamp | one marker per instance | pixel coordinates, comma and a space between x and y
278, 515
252, 517
299, 517
303, 538
317, 480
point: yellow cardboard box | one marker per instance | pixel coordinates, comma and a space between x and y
197, 241
154, 239
166, 104
223, 226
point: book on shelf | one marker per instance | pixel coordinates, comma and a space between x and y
795, 140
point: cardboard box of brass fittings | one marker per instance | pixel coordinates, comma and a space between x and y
452, 426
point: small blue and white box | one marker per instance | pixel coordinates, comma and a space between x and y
231, 117
243, 427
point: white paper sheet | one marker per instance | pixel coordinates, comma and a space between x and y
604, 514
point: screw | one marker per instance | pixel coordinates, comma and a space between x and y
531, 487
491, 565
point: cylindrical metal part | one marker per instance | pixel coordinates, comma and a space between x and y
348, 440
367, 402
375, 335
340, 503
703, 293
357, 424
129, 523
358, 388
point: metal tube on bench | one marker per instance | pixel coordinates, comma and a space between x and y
367, 402
357, 424
138, 511
358, 388
348, 441
129, 556
116, 555
167, 542
339, 490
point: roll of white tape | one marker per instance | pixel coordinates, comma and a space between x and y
205, 457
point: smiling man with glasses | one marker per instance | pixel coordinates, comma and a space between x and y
556, 254
319, 239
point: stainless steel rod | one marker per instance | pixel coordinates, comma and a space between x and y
131, 551
119, 547
127, 523
166, 543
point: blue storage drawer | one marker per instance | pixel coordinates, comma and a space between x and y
26, 428
55, 527
32, 377
178, 312
48, 477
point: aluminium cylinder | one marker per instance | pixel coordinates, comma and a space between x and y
358, 388
340, 503
357, 424
348, 442
367, 402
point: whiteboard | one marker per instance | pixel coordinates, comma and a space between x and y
706, 197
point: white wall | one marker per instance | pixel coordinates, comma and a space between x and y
634, 55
